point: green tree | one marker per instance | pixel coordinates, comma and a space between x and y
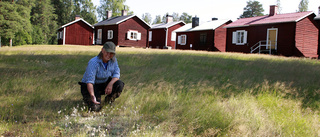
44, 23
186, 17
303, 5
147, 18
15, 21
279, 6
85, 9
116, 6
157, 20
253, 9
63, 9
175, 17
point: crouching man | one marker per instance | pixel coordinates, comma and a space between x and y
102, 78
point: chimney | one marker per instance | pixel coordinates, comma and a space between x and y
124, 12
109, 14
213, 19
195, 21
169, 18
273, 10
77, 17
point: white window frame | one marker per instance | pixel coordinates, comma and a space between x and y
150, 35
133, 35
61, 35
182, 39
239, 37
110, 34
99, 36
173, 36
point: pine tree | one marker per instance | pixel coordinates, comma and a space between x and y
63, 9
15, 21
303, 5
44, 23
157, 20
147, 18
186, 17
116, 6
253, 9
279, 6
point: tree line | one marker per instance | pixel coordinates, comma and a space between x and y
37, 21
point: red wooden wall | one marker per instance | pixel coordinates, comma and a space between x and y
158, 38
170, 42
133, 23
307, 35
220, 38
79, 33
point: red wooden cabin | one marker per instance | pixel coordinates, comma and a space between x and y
291, 34
210, 36
125, 30
161, 36
317, 19
77, 32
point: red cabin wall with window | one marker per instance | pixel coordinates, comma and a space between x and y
170, 42
105, 29
158, 38
134, 24
258, 33
294, 38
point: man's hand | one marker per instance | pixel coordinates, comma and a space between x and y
94, 100
108, 89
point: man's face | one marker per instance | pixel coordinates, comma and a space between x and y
106, 56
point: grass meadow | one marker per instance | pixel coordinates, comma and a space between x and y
167, 93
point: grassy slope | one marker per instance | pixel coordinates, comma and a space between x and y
167, 93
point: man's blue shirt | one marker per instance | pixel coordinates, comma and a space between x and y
96, 72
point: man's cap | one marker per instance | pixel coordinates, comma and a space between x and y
109, 47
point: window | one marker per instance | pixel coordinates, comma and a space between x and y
99, 34
203, 38
182, 39
239, 37
133, 35
99, 37
150, 35
110, 34
61, 34
173, 36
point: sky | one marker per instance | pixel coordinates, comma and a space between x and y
207, 9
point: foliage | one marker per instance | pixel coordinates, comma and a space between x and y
303, 6
15, 21
253, 9
147, 18
193, 93
186, 17
44, 23
279, 6
63, 10
116, 6
157, 20
86, 10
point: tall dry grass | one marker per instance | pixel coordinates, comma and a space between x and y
167, 93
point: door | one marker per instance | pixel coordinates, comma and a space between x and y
272, 37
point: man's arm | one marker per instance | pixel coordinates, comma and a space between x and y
91, 92
108, 89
